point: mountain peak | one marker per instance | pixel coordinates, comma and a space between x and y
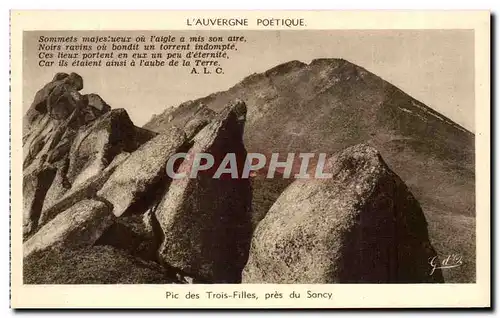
329, 62
285, 67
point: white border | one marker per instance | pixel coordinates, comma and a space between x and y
469, 296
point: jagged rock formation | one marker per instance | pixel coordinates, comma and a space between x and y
361, 226
94, 185
73, 144
96, 145
79, 226
331, 104
123, 188
68, 139
81, 191
206, 221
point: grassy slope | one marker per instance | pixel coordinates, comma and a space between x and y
94, 265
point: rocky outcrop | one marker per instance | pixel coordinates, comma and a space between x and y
77, 227
97, 103
123, 188
361, 226
95, 146
88, 189
89, 152
72, 145
68, 139
46, 95
206, 221
35, 186
58, 186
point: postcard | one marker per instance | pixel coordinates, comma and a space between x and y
250, 159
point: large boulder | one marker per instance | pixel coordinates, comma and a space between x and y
142, 173
79, 192
35, 186
47, 138
63, 101
206, 221
49, 141
59, 97
360, 226
95, 146
58, 187
77, 227
72, 156
39, 104
57, 112
69, 141
36, 138
97, 103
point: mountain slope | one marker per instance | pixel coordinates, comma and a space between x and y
330, 104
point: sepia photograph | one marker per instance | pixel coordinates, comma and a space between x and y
252, 157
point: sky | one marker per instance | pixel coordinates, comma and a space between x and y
434, 66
